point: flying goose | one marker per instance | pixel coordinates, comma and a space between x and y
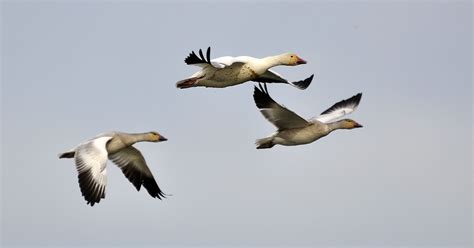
294, 130
91, 162
228, 71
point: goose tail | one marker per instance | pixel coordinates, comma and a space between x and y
187, 83
264, 143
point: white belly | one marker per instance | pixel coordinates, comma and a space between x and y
295, 137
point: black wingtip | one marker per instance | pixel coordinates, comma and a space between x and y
261, 97
208, 54
201, 55
162, 195
67, 155
303, 84
194, 59
153, 189
91, 192
353, 100
356, 98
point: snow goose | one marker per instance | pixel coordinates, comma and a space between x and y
228, 71
91, 162
294, 130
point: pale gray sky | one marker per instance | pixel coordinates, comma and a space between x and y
74, 69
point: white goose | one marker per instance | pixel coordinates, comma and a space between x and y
228, 71
294, 130
91, 162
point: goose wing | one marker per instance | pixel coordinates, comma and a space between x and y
340, 109
134, 167
277, 114
218, 63
91, 162
226, 61
272, 77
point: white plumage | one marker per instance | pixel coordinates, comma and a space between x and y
295, 130
91, 163
339, 109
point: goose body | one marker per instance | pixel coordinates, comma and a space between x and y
91, 163
294, 130
300, 136
229, 71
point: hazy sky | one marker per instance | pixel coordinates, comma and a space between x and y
71, 70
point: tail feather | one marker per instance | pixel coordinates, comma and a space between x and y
69, 154
188, 82
264, 143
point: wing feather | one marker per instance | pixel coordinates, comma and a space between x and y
91, 162
134, 167
222, 62
340, 109
280, 116
272, 77
193, 59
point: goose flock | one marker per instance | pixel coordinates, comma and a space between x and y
91, 156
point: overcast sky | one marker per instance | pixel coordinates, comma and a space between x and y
71, 70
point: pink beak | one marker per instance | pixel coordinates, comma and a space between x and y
300, 61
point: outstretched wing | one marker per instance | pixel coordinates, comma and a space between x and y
280, 116
340, 109
272, 77
133, 165
91, 162
218, 63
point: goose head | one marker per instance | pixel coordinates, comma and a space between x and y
291, 59
349, 124
156, 137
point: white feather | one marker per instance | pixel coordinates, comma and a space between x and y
225, 61
338, 113
92, 155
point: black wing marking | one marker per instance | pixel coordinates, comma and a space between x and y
134, 167
208, 54
194, 59
275, 113
303, 84
262, 98
138, 179
92, 191
269, 80
350, 103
